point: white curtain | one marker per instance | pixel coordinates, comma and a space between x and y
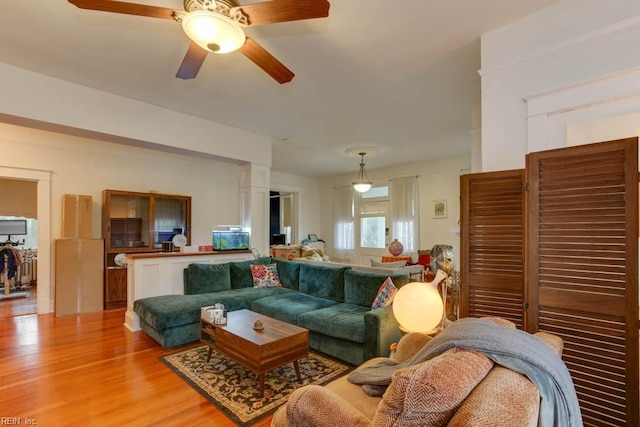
343, 220
405, 215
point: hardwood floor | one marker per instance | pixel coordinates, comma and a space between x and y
20, 306
90, 370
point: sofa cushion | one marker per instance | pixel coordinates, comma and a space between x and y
289, 273
238, 299
385, 295
265, 275
244, 296
205, 278
323, 282
288, 306
361, 288
240, 272
429, 393
345, 321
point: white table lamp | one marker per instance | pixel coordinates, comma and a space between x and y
418, 306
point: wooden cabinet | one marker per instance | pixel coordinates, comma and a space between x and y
134, 222
115, 295
126, 232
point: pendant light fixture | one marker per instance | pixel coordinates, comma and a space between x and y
362, 184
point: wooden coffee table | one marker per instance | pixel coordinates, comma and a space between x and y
260, 351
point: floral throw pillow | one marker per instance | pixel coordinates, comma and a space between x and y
385, 295
265, 276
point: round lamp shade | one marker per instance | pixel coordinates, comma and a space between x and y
418, 307
362, 187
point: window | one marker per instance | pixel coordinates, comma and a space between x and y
371, 228
376, 192
373, 224
30, 240
372, 234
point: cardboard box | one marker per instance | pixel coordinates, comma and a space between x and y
286, 252
79, 276
76, 216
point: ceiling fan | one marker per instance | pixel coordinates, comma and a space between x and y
216, 27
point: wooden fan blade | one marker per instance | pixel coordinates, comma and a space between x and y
266, 61
127, 8
269, 12
192, 62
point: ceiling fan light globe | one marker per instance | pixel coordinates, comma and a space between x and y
210, 28
362, 187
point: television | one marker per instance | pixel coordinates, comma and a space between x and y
278, 239
13, 227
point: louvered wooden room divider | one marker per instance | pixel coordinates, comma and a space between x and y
581, 257
582, 261
492, 245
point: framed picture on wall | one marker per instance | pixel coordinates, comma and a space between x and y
440, 208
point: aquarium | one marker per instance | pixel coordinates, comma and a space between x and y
230, 240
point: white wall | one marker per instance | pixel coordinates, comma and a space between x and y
574, 42
605, 129
438, 179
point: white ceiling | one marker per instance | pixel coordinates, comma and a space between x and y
399, 77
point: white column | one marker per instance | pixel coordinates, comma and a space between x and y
476, 139
254, 204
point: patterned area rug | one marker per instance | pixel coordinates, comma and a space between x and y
234, 389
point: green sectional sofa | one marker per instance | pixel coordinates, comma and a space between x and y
333, 303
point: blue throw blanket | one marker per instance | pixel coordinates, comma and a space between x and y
512, 348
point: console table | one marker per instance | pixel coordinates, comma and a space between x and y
161, 273
390, 258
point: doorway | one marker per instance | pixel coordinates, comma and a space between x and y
373, 229
44, 302
283, 218
373, 224
18, 248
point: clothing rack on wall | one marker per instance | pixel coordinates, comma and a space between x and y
10, 242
